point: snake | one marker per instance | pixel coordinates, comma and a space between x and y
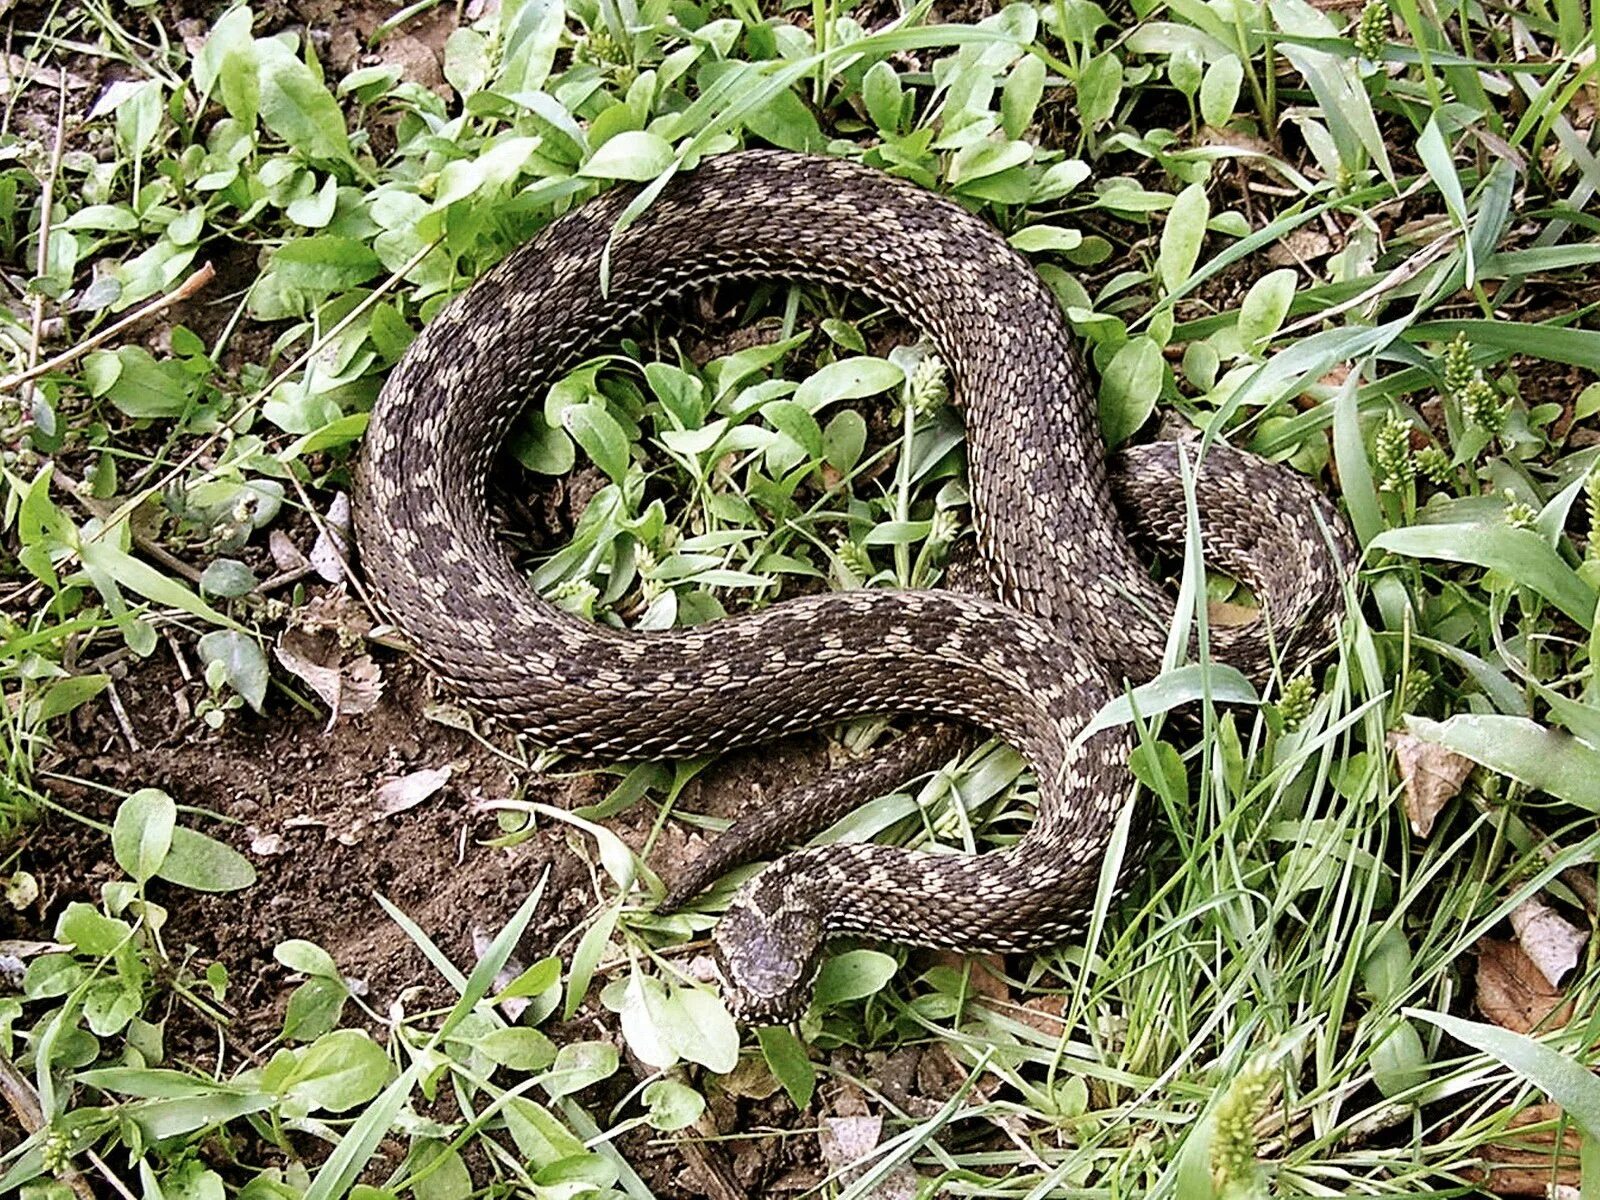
1071, 612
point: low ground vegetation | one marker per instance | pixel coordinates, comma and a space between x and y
281, 922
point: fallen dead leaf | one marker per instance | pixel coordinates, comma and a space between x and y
1306, 244
345, 687
1529, 1162
320, 648
1551, 942
17, 73
1231, 616
1511, 991
1432, 776
286, 555
398, 795
846, 1141
331, 552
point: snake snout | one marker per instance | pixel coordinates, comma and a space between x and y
769, 946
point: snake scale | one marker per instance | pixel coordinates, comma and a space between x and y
1075, 609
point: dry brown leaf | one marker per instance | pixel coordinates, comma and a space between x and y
334, 611
286, 555
316, 659
987, 976
398, 795
1432, 776
1306, 244
1551, 942
1511, 991
1227, 615
1529, 1163
17, 73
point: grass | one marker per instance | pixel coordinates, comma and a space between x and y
1357, 242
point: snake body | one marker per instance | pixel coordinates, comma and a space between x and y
1075, 608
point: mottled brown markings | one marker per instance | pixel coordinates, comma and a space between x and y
1080, 610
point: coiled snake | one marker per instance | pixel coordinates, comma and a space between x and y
1075, 612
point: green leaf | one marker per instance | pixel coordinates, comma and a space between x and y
1099, 89
535, 981
594, 428
579, 1065
844, 440
1020, 94
1547, 759
227, 577
1130, 388
847, 379
339, 1170
672, 1105
496, 166
64, 695
337, 1072
1219, 90
1219, 682
699, 1028
1265, 306
1399, 1060
141, 834
1341, 100
586, 958
853, 975
792, 418
884, 97
306, 957
1577, 347
633, 154
203, 864
137, 384
787, 1060
518, 1048
640, 1002
296, 107
1036, 238
91, 931
1182, 235
314, 1008
1561, 1075
441, 1172
243, 663
1520, 554
324, 264
530, 33
120, 566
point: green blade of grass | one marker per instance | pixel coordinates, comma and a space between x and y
1519, 553
1524, 750
1561, 1076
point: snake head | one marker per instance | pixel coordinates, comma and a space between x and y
769, 945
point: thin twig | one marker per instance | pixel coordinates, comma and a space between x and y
1403, 274
95, 508
122, 719
24, 1102
183, 291
46, 203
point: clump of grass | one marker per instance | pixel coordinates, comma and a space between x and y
1399, 352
